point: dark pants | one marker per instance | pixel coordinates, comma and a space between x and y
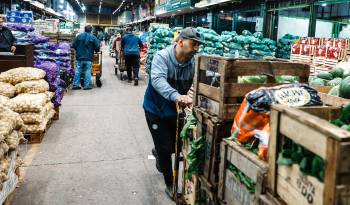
132, 63
163, 132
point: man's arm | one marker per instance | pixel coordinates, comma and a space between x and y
159, 73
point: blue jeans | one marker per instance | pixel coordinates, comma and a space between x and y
87, 66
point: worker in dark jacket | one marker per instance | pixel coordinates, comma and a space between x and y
7, 40
131, 45
85, 44
171, 78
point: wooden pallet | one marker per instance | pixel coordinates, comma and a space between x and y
214, 131
231, 191
223, 97
35, 138
57, 114
310, 128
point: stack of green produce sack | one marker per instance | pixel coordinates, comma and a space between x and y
247, 45
338, 78
231, 48
212, 44
160, 38
284, 46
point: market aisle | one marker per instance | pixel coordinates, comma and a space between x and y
97, 153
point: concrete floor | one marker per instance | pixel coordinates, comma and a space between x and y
97, 153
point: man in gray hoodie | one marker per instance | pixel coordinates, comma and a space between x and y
171, 78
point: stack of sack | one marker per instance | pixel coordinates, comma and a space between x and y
32, 97
212, 44
231, 48
284, 46
11, 126
160, 38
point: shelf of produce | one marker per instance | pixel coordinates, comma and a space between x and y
310, 128
223, 97
231, 190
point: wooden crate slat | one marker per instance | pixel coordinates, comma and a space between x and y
246, 161
320, 125
333, 100
308, 136
209, 91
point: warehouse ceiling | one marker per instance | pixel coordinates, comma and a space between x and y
109, 3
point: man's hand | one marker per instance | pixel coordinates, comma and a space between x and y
184, 100
13, 49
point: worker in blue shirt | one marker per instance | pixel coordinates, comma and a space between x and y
171, 78
85, 44
131, 45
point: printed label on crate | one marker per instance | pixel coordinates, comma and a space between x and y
306, 188
295, 49
340, 43
294, 97
213, 65
329, 42
320, 51
315, 41
304, 40
333, 52
306, 50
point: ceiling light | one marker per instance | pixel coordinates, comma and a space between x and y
222, 11
324, 4
179, 10
240, 17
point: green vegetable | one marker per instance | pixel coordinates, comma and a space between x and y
337, 122
345, 114
318, 167
344, 89
337, 72
334, 82
242, 178
318, 82
325, 75
334, 91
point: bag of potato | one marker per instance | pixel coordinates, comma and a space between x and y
4, 148
13, 118
33, 86
39, 128
7, 90
49, 96
3, 100
12, 140
36, 118
28, 102
18, 75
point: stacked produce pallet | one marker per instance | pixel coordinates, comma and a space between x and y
219, 87
321, 53
28, 94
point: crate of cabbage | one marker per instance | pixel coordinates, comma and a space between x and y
308, 156
221, 83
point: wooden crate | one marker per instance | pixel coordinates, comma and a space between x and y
223, 100
313, 131
206, 194
214, 131
268, 199
57, 114
231, 191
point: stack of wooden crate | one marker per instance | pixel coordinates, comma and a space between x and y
217, 98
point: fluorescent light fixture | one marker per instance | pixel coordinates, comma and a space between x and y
179, 10
240, 17
203, 19
99, 9
119, 7
324, 4
205, 4
222, 11
27, 0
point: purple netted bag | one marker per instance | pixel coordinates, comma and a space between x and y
20, 27
57, 99
40, 39
51, 69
